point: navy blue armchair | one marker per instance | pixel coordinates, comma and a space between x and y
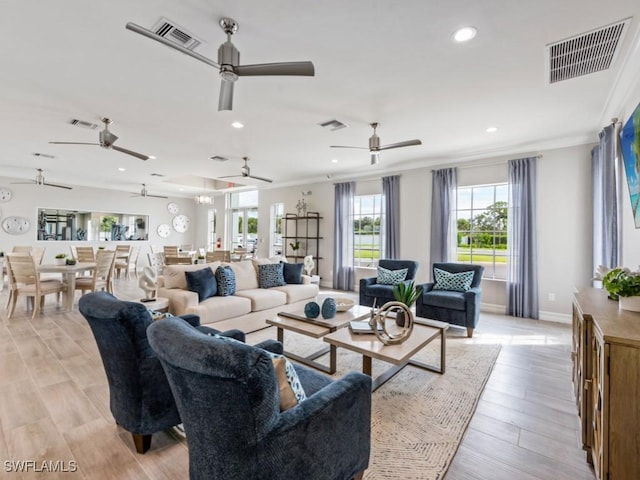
228, 396
139, 394
371, 291
458, 308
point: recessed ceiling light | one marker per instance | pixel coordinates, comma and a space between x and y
237, 125
492, 130
334, 160
464, 34
121, 169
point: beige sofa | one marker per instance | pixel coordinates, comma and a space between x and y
247, 309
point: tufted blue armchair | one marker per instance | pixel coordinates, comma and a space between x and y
228, 397
371, 291
458, 308
139, 394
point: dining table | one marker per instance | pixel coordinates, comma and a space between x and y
68, 273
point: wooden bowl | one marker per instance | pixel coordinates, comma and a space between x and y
344, 304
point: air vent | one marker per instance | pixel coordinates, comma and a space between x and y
171, 31
43, 155
157, 175
218, 158
586, 53
81, 123
333, 125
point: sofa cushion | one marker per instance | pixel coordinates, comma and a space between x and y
271, 275
246, 277
174, 274
455, 282
203, 282
226, 279
391, 277
445, 299
217, 308
263, 299
298, 293
292, 272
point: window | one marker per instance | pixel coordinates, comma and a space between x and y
243, 217
367, 217
277, 214
482, 228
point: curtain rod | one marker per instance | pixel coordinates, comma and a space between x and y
367, 179
481, 164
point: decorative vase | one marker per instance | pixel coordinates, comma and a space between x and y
400, 319
630, 303
311, 310
61, 261
329, 308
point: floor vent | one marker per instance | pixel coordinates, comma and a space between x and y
81, 123
169, 30
586, 53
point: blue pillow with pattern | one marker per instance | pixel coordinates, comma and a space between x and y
454, 282
226, 281
391, 277
271, 275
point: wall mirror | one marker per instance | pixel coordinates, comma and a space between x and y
79, 225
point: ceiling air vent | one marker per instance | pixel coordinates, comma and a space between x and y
333, 125
157, 175
81, 123
218, 158
171, 31
586, 53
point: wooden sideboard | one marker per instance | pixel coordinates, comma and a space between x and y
606, 379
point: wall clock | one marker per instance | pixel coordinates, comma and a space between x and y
163, 230
15, 225
181, 223
5, 194
172, 207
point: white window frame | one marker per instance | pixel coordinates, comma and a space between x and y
357, 245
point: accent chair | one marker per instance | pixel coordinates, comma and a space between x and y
371, 291
460, 308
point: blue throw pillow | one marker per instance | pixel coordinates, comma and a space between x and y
455, 282
270, 275
203, 282
292, 272
391, 277
226, 281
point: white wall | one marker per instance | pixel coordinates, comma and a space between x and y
28, 198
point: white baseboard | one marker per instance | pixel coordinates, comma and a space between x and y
492, 308
546, 316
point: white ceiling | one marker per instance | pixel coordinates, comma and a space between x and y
391, 62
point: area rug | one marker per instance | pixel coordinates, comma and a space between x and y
418, 417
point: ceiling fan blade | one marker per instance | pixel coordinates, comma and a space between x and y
231, 176
408, 143
156, 196
30, 182
74, 143
225, 102
57, 186
260, 178
149, 34
345, 146
130, 152
283, 68
375, 158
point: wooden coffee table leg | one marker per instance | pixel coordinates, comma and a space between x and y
366, 365
332, 358
280, 335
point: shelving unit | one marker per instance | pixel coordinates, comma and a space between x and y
306, 230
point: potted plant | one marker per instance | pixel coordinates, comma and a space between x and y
200, 259
406, 293
60, 259
624, 285
295, 246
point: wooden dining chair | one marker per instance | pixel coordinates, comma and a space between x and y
218, 256
25, 280
170, 251
21, 249
156, 261
128, 264
123, 253
85, 254
101, 275
178, 260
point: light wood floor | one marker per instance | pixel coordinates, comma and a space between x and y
54, 404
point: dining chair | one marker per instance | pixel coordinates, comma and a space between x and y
218, 256
241, 253
38, 254
22, 249
156, 261
156, 249
128, 264
85, 254
177, 260
123, 253
170, 251
101, 275
25, 280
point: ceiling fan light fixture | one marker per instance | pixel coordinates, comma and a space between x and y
203, 199
464, 34
375, 158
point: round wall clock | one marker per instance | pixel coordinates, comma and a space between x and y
172, 207
163, 230
15, 225
5, 194
181, 223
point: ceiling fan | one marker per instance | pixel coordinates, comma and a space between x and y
229, 59
246, 173
107, 140
40, 181
375, 148
144, 193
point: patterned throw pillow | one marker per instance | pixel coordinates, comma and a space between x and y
391, 277
226, 281
455, 282
270, 275
291, 391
